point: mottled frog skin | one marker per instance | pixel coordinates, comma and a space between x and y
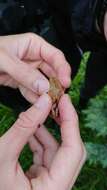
55, 92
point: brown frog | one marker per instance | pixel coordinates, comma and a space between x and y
55, 92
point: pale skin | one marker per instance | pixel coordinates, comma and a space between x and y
54, 166
22, 58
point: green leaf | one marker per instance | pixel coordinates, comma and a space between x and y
97, 153
7, 118
95, 116
78, 81
26, 158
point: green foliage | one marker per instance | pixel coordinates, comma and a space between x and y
26, 158
93, 125
92, 177
97, 153
78, 81
6, 119
95, 117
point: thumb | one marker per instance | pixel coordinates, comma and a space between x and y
15, 139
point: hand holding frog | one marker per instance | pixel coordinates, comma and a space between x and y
26, 59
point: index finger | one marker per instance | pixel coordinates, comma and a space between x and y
56, 59
36, 48
53, 56
71, 155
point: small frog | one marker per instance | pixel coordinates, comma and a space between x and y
55, 92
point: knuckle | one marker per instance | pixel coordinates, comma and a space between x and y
27, 71
24, 121
57, 53
60, 53
82, 152
31, 35
54, 146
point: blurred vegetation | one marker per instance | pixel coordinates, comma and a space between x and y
93, 126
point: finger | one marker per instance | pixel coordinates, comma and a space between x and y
49, 144
56, 59
28, 94
5, 80
79, 168
25, 126
51, 55
69, 122
36, 171
71, 152
31, 46
45, 138
43, 66
47, 70
38, 151
40, 49
31, 173
24, 74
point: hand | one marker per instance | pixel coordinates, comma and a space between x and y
55, 166
26, 59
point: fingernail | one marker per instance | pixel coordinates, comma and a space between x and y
41, 86
42, 102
